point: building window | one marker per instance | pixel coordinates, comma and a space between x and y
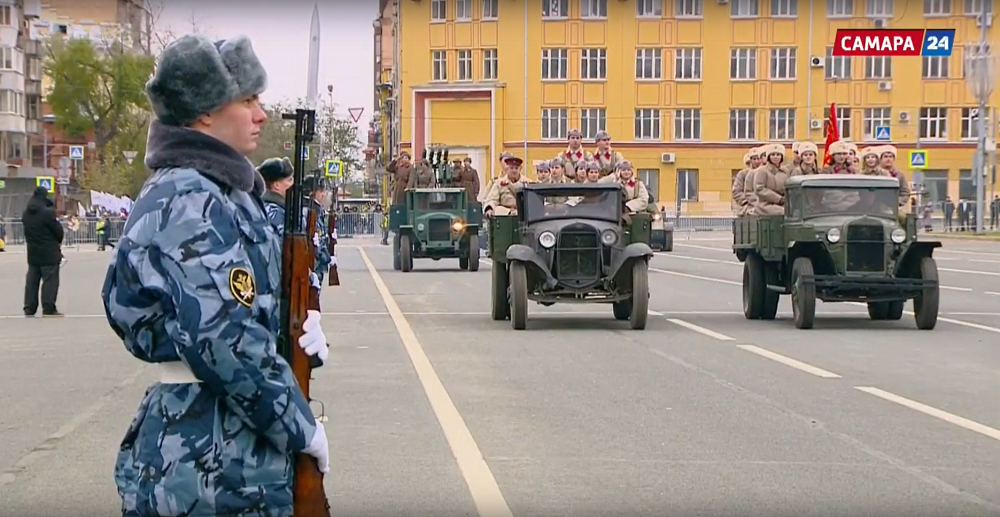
687, 184
11, 59
16, 145
439, 59
649, 8
879, 8
688, 8
648, 63
555, 123
554, 63
935, 67
34, 108
970, 123
439, 10
7, 16
782, 125
647, 124
784, 8
12, 102
463, 10
593, 8
687, 63
839, 8
878, 67
837, 67
874, 119
843, 122
935, 186
593, 121
490, 64
650, 178
490, 9
783, 63
744, 8
35, 68
933, 123
966, 185
594, 63
555, 9
937, 7
975, 7
687, 124
743, 63
465, 65
742, 124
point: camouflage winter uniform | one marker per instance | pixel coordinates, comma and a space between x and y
321, 238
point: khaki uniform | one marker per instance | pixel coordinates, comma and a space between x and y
904, 186
608, 160
403, 177
572, 157
804, 170
636, 194
424, 178
468, 178
833, 168
769, 190
502, 196
739, 185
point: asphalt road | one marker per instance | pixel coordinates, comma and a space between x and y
703, 413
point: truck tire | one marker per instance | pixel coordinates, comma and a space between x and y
894, 311
803, 294
877, 311
499, 285
925, 306
639, 310
473, 258
754, 285
518, 296
396, 263
405, 253
622, 310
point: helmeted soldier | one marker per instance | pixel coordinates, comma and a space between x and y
193, 289
887, 157
502, 197
403, 177
769, 182
575, 153
605, 156
542, 172
841, 153
557, 173
808, 154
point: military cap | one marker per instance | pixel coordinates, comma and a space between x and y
808, 147
314, 183
504, 155
839, 147
887, 149
513, 160
582, 165
746, 157
851, 146
574, 132
405, 153
874, 150
795, 147
195, 76
467, 159
274, 169
593, 166
557, 161
624, 165
542, 166
602, 135
774, 149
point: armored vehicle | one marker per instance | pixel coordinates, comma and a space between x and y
840, 239
570, 243
436, 223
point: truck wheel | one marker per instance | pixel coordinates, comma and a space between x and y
463, 263
878, 311
473, 258
769, 307
803, 294
518, 296
405, 253
753, 287
640, 295
669, 245
622, 310
925, 305
499, 282
894, 312
396, 263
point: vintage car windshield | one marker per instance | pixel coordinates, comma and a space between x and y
601, 204
439, 201
881, 202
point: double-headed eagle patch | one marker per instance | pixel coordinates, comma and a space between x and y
242, 286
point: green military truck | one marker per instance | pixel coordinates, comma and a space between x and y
570, 243
841, 238
436, 223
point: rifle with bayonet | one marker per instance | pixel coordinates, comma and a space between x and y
298, 296
331, 245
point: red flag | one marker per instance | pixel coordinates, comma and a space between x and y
832, 134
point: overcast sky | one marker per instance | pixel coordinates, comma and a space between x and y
279, 30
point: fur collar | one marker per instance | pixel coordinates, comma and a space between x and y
181, 147
273, 197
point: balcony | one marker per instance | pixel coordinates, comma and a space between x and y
32, 47
32, 88
33, 127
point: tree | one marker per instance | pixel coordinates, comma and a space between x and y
335, 134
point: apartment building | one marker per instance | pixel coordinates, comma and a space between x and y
684, 87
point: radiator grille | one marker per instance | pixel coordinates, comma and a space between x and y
865, 248
578, 254
439, 230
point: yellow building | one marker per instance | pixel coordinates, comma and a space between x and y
684, 87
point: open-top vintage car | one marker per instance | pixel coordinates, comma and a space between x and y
436, 223
570, 243
841, 239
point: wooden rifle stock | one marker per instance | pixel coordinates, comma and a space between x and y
332, 248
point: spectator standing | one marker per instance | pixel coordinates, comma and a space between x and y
44, 236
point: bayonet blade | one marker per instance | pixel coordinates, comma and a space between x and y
312, 82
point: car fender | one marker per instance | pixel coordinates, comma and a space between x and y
631, 253
528, 256
912, 256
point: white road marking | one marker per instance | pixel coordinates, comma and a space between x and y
973, 313
701, 259
949, 320
788, 361
696, 277
962, 252
991, 293
962, 289
975, 427
482, 484
710, 248
985, 261
969, 271
701, 330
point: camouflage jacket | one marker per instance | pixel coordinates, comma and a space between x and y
196, 279
321, 239
274, 207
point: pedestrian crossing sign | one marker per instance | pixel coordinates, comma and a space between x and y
46, 182
918, 159
334, 168
882, 133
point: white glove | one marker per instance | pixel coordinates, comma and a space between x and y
314, 280
313, 341
319, 448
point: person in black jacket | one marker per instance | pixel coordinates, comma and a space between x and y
43, 235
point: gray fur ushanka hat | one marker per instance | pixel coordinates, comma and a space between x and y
195, 76
274, 169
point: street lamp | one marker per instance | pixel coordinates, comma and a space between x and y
981, 70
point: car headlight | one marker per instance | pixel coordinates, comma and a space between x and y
457, 226
898, 235
609, 237
833, 235
547, 239
420, 227
656, 217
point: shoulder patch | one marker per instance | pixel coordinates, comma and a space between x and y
242, 286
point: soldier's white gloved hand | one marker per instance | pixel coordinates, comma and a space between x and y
313, 341
319, 448
314, 280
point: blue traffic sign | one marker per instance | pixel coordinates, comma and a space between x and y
46, 182
334, 168
882, 133
76, 152
938, 42
918, 159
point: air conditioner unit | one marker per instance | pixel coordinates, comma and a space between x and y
817, 62
904, 116
884, 86
815, 124
979, 20
668, 157
881, 23
722, 2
